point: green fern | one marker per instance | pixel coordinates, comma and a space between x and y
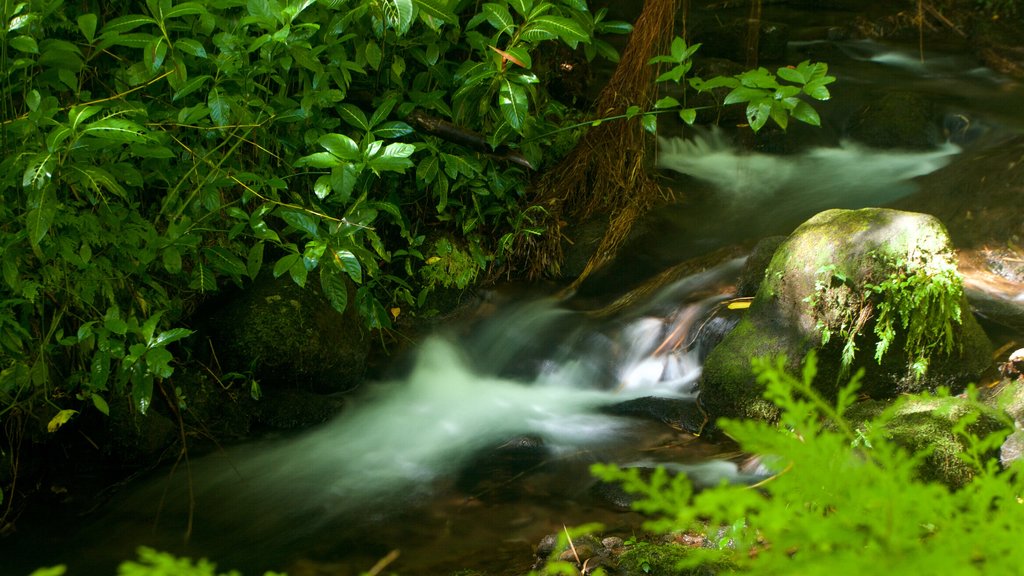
844, 499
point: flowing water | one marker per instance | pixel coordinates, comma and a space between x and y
481, 447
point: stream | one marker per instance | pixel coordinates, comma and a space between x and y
479, 444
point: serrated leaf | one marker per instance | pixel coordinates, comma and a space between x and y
334, 288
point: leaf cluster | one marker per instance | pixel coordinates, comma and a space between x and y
843, 499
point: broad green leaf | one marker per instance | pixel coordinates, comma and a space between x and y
99, 370
650, 123
341, 146
334, 288
792, 75
322, 187
744, 94
43, 208
522, 7
758, 112
394, 157
817, 89
126, 23
513, 102
39, 171
499, 17
99, 179
184, 9
224, 261
87, 26
374, 54
142, 389
666, 102
779, 114
343, 181
804, 112
220, 108
169, 336
117, 130
190, 86
255, 260
688, 115
172, 259
100, 404
203, 279
300, 220
393, 129
60, 419
79, 114
149, 326
299, 272
436, 9
354, 116
398, 14
427, 169
350, 264
567, 29
24, 44
190, 46
319, 160
285, 263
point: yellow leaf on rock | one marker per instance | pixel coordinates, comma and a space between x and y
60, 419
738, 305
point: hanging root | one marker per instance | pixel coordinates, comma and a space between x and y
607, 171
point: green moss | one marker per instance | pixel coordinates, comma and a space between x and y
656, 559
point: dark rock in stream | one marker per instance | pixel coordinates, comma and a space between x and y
683, 414
492, 472
901, 120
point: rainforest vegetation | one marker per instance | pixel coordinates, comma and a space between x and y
158, 154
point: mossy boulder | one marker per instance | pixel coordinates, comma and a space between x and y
927, 423
288, 336
820, 280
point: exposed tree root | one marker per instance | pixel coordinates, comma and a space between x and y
607, 171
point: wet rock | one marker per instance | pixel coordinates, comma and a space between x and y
683, 414
923, 423
289, 337
295, 409
1012, 448
756, 265
1013, 368
493, 470
897, 120
817, 279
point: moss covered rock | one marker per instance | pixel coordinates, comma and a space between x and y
816, 293
926, 423
290, 337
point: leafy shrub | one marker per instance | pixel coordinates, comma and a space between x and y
156, 151
843, 500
